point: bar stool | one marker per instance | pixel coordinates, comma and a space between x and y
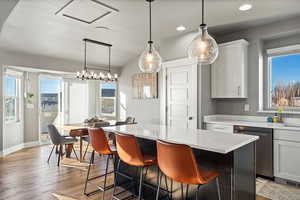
100, 145
178, 162
130, 153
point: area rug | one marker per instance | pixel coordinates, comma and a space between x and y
276, 191
73, 163
60, 197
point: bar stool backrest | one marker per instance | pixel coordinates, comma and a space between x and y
129, 150
99, 141
178, 162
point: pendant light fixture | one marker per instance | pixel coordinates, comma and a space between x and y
85, 74
150, 60
204, 48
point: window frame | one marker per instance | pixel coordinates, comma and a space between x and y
100, 100
274, 53
17, 98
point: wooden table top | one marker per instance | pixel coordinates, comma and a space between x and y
77, 130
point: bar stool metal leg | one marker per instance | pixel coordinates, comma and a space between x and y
141, 182
159, 182
218, 188
88, 173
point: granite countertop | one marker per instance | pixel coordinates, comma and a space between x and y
196, 138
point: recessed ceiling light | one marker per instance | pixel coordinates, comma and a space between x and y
245, 7
180, 28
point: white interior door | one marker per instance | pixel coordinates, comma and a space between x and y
76, 101
181, 95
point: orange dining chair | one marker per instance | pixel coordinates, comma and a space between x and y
177, 161
130, 153
100, 146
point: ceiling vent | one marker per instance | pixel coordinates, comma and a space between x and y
86, 11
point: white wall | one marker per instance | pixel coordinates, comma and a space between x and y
9, 58
145, 111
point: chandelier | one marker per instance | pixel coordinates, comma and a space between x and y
85, 74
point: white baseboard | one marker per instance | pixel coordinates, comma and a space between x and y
12, 149
18, 147
31, 144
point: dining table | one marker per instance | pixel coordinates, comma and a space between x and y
80, 131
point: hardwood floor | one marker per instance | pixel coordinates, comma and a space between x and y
26, 175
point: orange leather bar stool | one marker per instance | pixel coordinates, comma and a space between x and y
100, 145
178, 162
130, 153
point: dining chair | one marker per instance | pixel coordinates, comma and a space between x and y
58, 141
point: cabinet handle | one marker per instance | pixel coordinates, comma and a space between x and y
239, 90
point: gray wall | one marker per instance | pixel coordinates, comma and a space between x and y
273, 35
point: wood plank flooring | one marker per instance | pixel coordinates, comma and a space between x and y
26, 175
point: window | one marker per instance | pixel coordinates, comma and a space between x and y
107, 101
11, 100
284, 81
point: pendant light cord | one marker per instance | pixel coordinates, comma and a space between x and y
150, 42
85, 67
202, 11
109, 55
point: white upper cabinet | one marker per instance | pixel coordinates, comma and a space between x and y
229, 71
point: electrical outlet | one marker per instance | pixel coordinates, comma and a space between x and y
247, 107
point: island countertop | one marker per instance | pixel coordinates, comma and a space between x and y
196, 138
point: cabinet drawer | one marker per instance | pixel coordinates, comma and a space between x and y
219, 128
287, 135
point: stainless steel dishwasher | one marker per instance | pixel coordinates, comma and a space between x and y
264, 148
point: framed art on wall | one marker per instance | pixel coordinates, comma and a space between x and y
144, 86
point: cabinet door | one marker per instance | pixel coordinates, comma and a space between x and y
228, 73
287, 160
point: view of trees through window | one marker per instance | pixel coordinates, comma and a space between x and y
285, 76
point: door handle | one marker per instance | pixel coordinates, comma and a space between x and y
190, 118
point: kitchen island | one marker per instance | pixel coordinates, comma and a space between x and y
232, 155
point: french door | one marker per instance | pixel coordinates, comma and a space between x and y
51, 105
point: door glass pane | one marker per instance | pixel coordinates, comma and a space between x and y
10, 109
10, 86
50, 104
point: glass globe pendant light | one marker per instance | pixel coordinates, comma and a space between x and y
204, 47
150, 60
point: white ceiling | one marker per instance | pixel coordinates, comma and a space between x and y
33, 26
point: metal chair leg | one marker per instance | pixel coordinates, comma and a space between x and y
75, 153
141, 182
218, 188
171, 189
187, 192
107, 162
182, 195
88, 173
59, 154
197, 191
87, 147
158, 187
51, 153
116, 178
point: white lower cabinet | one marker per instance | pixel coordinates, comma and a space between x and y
287, 160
